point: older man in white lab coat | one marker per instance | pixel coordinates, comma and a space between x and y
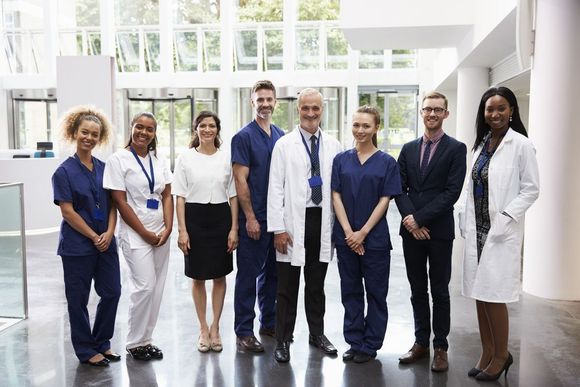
301, 217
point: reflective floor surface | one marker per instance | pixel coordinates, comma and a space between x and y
544, 339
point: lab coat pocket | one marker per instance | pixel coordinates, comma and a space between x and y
461, 222
501, 229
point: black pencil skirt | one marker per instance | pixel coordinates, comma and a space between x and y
208, 226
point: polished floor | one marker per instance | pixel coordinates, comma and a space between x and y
544, 339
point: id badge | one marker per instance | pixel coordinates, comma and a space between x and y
315, 181
152, 204
99, 214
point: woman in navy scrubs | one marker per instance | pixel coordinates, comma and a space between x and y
87, 243
364, 179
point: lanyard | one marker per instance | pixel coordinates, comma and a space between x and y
308, 149
150, 180
92, 177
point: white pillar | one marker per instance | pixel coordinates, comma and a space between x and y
552, 245
471, 83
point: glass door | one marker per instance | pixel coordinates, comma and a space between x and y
174, 110
398, 107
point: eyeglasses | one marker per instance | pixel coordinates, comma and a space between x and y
437, 110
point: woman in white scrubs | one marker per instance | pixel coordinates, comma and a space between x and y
140, 185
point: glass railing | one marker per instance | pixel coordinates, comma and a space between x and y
13, 293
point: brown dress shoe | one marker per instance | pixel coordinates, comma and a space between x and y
268, 332
440, 363
250, 343
414, 354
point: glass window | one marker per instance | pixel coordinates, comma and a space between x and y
196, 11
260, 10
318, 10
152, 51
186, 55
136, 12
273, 50
128, 51
35, 121
336, 49
403, 59
307, 48
78, 13
26, 14
371, 59
246, 49
211, 51
25, 52
71, 43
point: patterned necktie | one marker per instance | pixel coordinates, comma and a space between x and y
315, 169
425, 161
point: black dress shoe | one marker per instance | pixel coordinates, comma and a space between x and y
362, 357
282, 352
322, 343
139, 353
154, 351
249, 343
112, 356
100, 363
348, 355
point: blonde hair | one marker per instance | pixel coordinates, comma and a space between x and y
73, 118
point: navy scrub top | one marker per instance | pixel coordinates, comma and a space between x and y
252, 147
71, 182
361, 187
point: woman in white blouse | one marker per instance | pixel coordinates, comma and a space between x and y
140, 185
207, 215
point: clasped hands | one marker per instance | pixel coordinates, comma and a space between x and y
419, 233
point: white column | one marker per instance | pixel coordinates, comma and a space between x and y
226, 99
552, 246
471, 83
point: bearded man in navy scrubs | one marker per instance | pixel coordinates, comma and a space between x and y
256, 257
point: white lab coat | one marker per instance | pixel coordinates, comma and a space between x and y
288, 192
513, 187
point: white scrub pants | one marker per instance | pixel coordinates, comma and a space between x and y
147, 273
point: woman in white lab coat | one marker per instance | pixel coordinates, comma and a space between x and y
502, 185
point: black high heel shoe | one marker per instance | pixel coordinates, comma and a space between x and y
472, 373
485, 377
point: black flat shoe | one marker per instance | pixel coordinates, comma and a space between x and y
154, 351
472, 373
139, 353
112, 356
361, 357
348, 355
485, 377
100, 363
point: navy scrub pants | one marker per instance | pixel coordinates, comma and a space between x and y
79, 271
256, 264
364, 333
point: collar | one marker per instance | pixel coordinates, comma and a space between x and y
306, 134
435, 138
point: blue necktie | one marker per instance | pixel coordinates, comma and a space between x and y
315, 169
425, 161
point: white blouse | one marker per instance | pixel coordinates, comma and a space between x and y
201, 178
123, 173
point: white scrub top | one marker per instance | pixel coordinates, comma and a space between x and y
123, 173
